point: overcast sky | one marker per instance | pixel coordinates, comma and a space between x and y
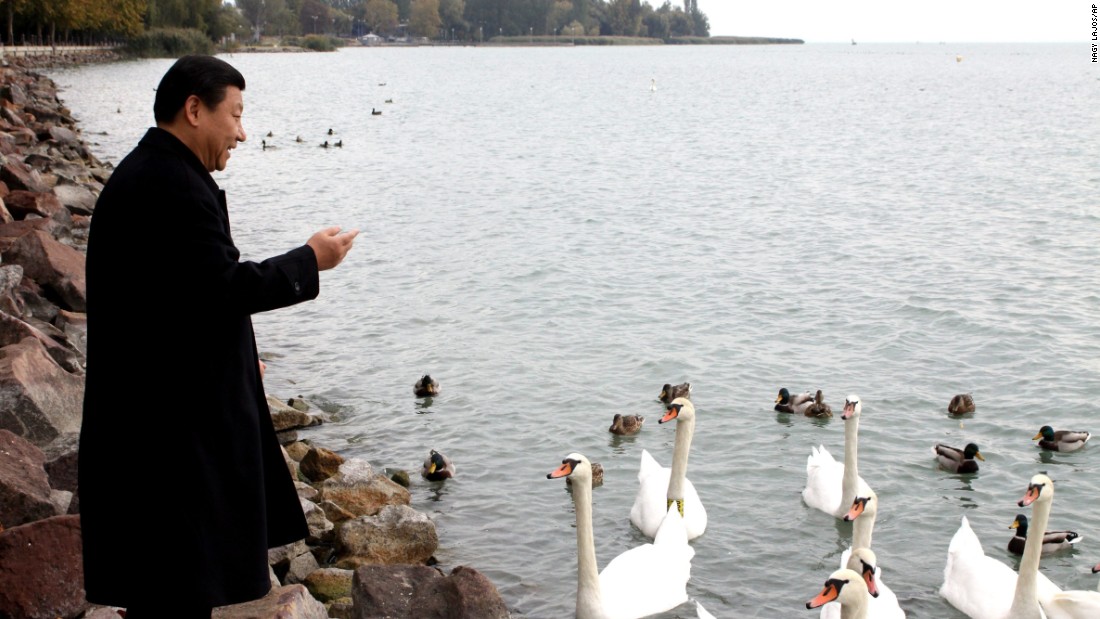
892, 21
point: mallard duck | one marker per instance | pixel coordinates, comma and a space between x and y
786, 403
375, 112
1062, 440
270, 134
819, 408
961, 404
437, 467
1053, 541
958, 460
671, 392
426, 387
626, 424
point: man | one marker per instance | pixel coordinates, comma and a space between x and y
182, 483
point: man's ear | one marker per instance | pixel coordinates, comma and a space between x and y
191, 109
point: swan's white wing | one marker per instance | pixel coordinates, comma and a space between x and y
977, 585
646, 580
651, 501
1073, 605
824, 481
702, 612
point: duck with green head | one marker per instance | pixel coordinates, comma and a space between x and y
958, 460
1062, 440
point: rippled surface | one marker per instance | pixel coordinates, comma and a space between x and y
553, 242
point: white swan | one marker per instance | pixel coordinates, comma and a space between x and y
660, 487
848, 588
1074, 604
884, 603
649, 579
830, 485
978, 585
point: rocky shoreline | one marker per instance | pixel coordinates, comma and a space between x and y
368, 555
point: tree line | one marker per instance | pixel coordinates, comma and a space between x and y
463, 20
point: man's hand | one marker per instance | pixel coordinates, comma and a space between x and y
330, 246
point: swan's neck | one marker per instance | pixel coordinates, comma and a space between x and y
1025, 602
685, 427
854, 610
589, 602
851, 471
862, 528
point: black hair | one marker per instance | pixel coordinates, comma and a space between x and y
206, 77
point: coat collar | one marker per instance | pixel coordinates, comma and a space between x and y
161, 139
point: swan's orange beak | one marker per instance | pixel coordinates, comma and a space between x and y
858, 506
670, 414
1096, 568
564, 470
828, 594
849, 409
1031, 495
869, 578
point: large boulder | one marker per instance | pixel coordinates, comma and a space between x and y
19, 175
290, 602
320, 464
361, 491
398, 534
329, 584
38, 399
41, 572
77, 198
23, 203
14, 330
61, 466
285, 417
24, 486
415, 591
58, 268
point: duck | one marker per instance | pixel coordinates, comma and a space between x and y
597, 476
671, 392
375, 112
849, 589
660, 487
819, 408
389, 100
786, 403
437, 467
884, 603
961, 404
324, 144
958, 460
270, 134
1074, 604
862, 561
645, 580
299, 139
339, 143
979, 585
426, 387
1062, 440
1053, 541
626, 424
831, 486
330, 132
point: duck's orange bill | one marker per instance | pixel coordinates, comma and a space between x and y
828, 594
565, 469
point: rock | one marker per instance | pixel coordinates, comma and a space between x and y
301, 566
15, 93
289, 602
101, 612
343, 608
38, 399
413, 592
298, 404
61, 500
5, 215
61, 460
398, 534
19, 175
297, 450
360, 491
287, 418
286, 437
281, 557
320, 464
24, 487
400, 478
23, 203
306, 491
58, 268
334, 512
291, 465
329, 584
77, 198
14, 330
320, 529
41, 571
63, 135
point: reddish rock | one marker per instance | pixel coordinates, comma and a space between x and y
320, 464
361, 491
14, 330
23, 203
398, 534
414, 592
41, 400
5, 215
56, 267
61, 460
41, 574
24, 486
19, 175
290, 602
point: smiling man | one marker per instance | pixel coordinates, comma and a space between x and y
183, 487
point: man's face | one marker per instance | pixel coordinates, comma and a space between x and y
221, 129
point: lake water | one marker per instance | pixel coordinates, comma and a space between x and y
553, 241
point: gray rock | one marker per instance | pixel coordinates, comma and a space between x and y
24, 488
329, 584
38, 399
320, 529
398, 534
306, 491
301, 566
289, 602
414, 592
77, 198
359, 490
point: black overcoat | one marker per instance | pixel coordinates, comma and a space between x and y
182, 484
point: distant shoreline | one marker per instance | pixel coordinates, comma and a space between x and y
538, 41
